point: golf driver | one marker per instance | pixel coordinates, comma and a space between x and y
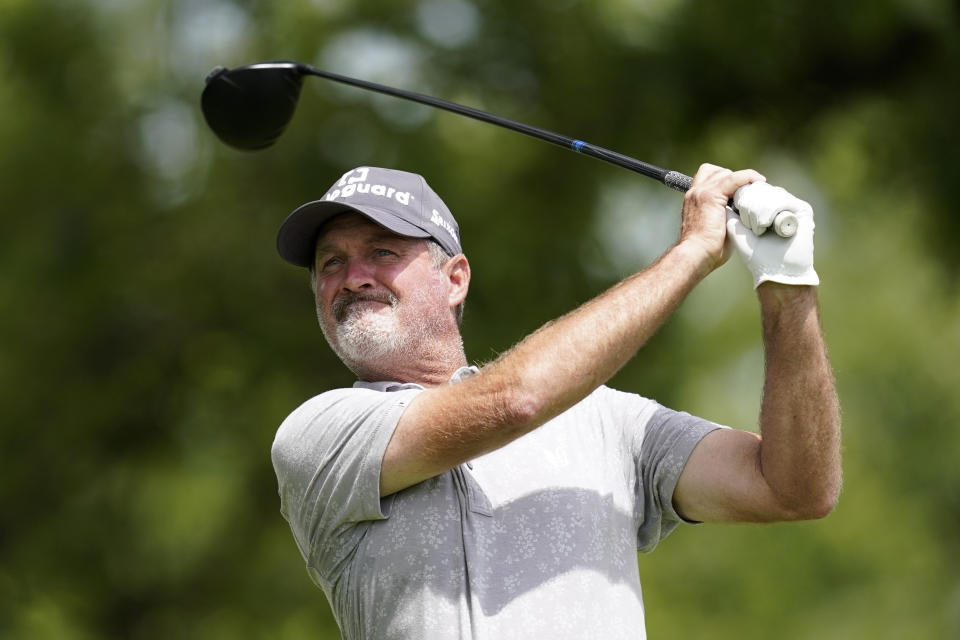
249, 107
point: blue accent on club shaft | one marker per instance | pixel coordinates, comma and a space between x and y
578, 145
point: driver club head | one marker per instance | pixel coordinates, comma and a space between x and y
249, 107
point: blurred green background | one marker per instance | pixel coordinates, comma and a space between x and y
152, 340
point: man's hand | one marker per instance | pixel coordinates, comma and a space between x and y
768, 256
760, 205
704, 207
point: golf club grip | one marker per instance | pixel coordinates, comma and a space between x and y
784, 223
677, 180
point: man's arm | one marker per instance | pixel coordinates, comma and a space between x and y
792, 470
564, 361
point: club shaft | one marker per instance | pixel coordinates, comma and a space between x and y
673, 179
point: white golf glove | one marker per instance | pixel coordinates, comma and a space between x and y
768, 256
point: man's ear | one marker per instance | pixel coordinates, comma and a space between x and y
457, 271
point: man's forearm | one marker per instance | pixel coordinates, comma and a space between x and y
800, 413
542, 376
567, 359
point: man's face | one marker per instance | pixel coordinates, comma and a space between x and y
378, 295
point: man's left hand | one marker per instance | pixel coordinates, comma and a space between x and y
768, 256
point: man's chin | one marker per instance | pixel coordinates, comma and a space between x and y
358, 308
367, 316
365, 336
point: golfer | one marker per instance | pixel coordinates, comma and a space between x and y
434, 499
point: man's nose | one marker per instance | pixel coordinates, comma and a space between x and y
358, 276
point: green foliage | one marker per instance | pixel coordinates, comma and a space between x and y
152, 340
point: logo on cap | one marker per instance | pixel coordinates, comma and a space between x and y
438, 220
348, 185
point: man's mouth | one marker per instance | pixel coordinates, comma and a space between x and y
343, 305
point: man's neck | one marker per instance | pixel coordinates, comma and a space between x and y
430, 369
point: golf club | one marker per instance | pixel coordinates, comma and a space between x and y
249, 107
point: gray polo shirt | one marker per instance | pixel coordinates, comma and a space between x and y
537, 539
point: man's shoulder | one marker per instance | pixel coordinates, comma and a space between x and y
607, 397
342, 405
329, 398
342, 398
340, 394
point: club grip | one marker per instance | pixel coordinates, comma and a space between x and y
677, 180
784, 224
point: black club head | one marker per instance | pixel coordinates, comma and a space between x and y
249, 107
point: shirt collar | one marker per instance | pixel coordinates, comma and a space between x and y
459, 375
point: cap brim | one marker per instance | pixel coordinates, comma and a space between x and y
297, 237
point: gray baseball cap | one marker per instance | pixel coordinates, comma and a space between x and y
399, 201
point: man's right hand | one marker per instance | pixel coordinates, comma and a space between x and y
704, 222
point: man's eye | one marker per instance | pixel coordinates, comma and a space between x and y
331, 262
384, 252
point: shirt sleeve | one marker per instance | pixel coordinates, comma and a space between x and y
665, 444
653, 444
327, 456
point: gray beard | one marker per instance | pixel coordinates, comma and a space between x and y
363, 337
365, 340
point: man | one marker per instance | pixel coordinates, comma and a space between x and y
436, 500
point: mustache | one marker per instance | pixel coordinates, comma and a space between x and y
343, 301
